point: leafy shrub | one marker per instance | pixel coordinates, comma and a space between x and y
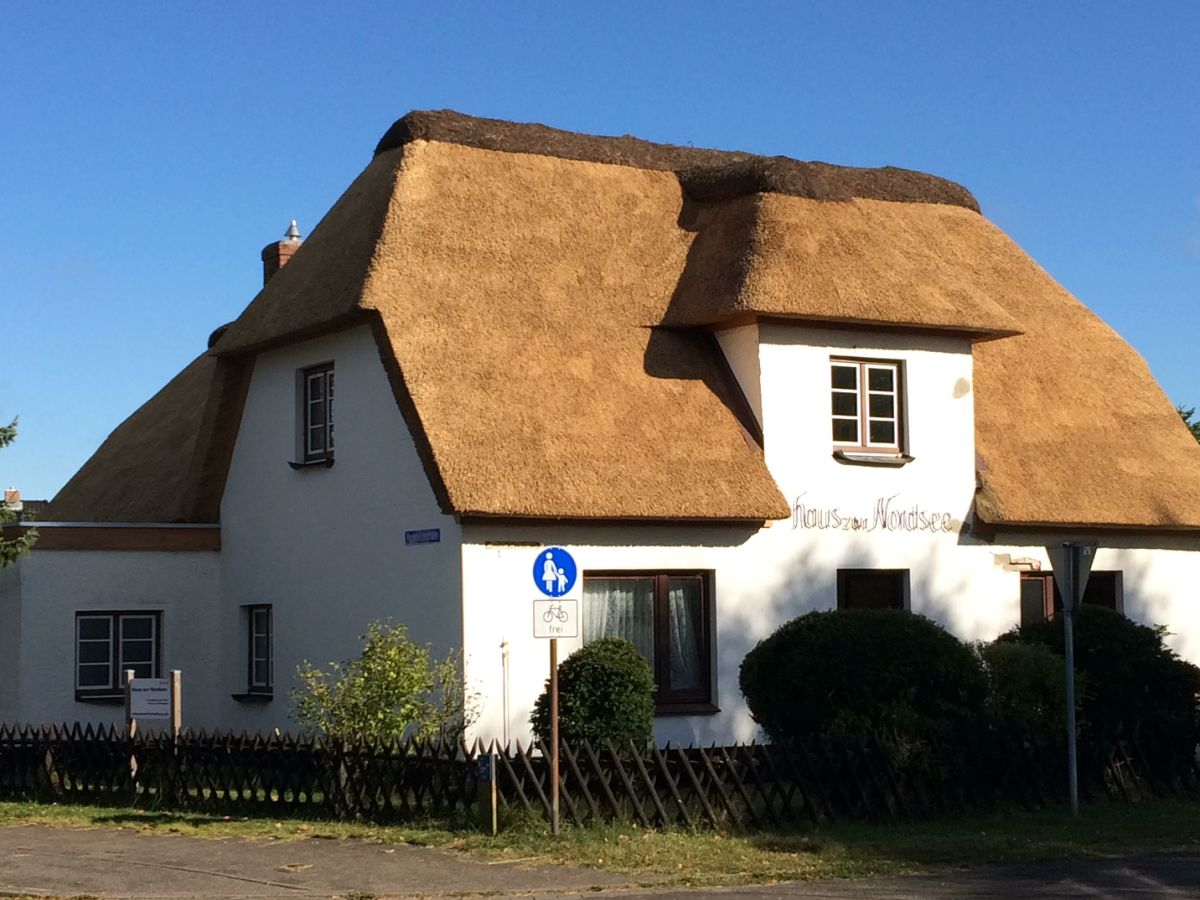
1128, 676
605, 691
1028, 685
840, 672
395, 689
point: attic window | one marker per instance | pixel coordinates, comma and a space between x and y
315, 419
866, 406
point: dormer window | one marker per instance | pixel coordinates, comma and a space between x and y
316, 428
866, 406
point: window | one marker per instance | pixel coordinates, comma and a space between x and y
106, 644
316, 433
668, 617
872, 589
1041, 600
865, 404
260, 669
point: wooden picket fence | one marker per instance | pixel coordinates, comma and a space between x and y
747, 786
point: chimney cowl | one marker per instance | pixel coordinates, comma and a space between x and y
276, 255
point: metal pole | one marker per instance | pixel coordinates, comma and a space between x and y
554, 736
1069, 658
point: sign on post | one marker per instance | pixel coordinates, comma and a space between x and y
555, 615
1072, 564
150, 698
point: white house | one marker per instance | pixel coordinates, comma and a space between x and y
737, 389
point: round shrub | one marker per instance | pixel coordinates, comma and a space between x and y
841, 672
1028, 685
605, 692
1128, 676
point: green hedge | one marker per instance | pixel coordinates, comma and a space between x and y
605, 692
845, 671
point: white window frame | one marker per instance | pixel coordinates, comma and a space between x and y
316, 440
862, 393
256, 613
116, 660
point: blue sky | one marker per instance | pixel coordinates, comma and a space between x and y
148, 151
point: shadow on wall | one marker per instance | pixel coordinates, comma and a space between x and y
806, 584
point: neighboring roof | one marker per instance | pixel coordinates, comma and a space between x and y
536, 293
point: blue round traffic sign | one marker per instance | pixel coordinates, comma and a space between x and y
554, 571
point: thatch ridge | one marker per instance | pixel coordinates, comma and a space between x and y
705, 174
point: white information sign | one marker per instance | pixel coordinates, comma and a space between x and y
150, 698
555, 618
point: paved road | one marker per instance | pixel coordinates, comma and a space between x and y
52, 862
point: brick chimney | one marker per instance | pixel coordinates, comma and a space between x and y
275, 256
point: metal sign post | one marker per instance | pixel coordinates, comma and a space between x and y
556, 577
1072, 563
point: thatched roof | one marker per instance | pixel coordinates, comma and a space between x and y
537, 297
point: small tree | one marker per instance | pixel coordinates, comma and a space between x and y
1186, 415
12, 549
395, 689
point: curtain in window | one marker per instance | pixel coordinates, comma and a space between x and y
620, 607
684, 599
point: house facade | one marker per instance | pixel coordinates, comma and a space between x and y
736, 389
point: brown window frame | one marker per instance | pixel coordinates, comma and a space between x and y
116, 664
1052, 600
844, 577
252, 686
324, 373
669, 702
863, 418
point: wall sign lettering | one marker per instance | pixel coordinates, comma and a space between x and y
886, 515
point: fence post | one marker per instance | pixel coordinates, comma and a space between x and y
486, 795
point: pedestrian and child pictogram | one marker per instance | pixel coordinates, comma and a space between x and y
554, 572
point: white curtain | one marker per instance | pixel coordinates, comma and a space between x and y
684, 599
620, 607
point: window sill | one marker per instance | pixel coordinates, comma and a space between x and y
324, 463
668, 710
101, 699
254, 697
851, 458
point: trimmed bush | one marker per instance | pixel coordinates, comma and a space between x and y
841, 672
605, 691
1028, 686
1128, 676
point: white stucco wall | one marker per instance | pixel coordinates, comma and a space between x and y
57, 584
325, 546
764, 577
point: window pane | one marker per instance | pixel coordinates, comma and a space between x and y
94, 629
883, 433
871, 589
845, 430
845, 404
261, 676
880, 379
141, 670
95, 652
137, 627
316, 387
620, 607
1033, 600
316, 414
686, 634
136, 652
882, 406
260, 646
844, 376
93, 675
